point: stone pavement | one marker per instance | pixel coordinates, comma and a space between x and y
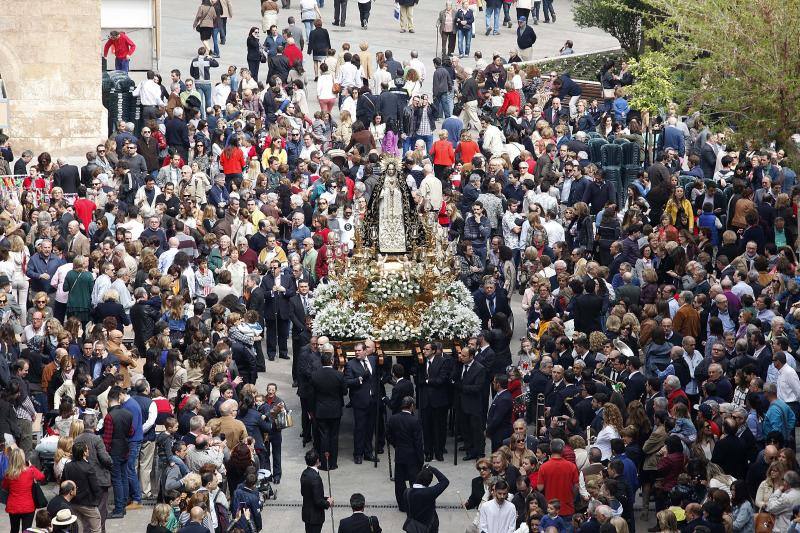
180, 42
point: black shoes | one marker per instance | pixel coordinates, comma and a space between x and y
372, 459
276, 480
114, 516
284, 356
439, 457
357, 460
428, 457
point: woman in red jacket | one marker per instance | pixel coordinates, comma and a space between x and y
18, 481
467, 148
232, 163
443, 154
510, 99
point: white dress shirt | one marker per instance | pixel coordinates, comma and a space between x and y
788, 384
496, 518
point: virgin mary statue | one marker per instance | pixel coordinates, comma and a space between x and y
391, 223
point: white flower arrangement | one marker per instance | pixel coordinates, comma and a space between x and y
393, 287
397, 330
340, 320
447, 319
325, 294
458, 292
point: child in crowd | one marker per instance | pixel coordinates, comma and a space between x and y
551, 519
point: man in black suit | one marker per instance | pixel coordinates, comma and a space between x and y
434, 401
584, 412
403, 387
498, 421
255, 301
360, 377
404, 432
309, 362
315, 503
299, 308
68, 177
328, 389
490, 300
278, 290
470, 381
421, 497
583, 352
636, 383
555, 112
358, 522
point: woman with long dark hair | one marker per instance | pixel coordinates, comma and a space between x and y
500, 340
254, 51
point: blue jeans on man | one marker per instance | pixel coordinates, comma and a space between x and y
122, 64
205, 88
411, 140
134, 488
274, 446
444, 104
547, 7
119, 480
216, 35
492, 12
464, 40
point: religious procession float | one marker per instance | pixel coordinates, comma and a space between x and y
399, 286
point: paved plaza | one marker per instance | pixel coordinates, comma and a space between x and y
179, 45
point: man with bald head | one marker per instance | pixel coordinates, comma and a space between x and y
758, 470
195, 523
77, 242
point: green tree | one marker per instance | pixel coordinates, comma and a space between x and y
737, 61
621, 19
653, 86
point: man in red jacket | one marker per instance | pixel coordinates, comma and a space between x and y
123, 49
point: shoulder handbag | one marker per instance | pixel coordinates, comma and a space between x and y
412, 525
39, 499
764, 522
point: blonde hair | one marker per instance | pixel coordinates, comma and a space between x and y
16, 463
76, 428
64, 449
161, 514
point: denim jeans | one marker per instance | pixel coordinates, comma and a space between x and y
547, 7
444, 104
411, 140
119, 480
274, 445
215, 35
536, 6
122, 64
205, 88
506, 14
309, 25
493, 12
134, 487
464, 40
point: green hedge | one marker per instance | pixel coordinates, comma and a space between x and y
579, 66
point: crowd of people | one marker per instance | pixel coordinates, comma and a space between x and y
661, 313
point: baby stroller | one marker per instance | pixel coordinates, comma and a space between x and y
265, 486
46, 445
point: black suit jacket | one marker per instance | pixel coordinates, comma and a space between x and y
404, 387
328, 389
68, 178
481, 307
551, 393
432, 384
360, 523
82, 473
498, 420
634, 388
404, 432
470, 388
297, 316
422, 501
584, 413
314, 502
486, 357
257, 300
277, 304
363, 394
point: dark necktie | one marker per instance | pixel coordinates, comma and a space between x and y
466, 369
491, 306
